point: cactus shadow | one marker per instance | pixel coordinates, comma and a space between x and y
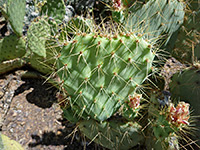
64, 138
41, 94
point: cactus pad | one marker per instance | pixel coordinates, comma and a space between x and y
186, 86
113, 134
157, 18
15, 14
100, 72
36, 37
11, 47
54, 9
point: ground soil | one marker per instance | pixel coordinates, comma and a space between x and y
30, 114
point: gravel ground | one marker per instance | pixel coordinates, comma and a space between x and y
31, 116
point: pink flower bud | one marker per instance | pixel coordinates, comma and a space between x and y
134, 101
180, 114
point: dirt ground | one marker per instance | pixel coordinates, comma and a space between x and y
31, 116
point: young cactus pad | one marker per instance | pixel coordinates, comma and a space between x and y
113, 134
37, 35
98, 72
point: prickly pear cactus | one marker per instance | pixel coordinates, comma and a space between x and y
79, 24
11, 47
10, 65
114, 134
14, 11
8, 144
54, 9
188, 38
99, 72
186, 86
37, 35
166, 121
159, 19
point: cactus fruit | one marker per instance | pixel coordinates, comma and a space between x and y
14, 11
157, 18
186, 86
114, 134
7, 144
99, 72
11, 47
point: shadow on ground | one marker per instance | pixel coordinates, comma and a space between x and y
43, 94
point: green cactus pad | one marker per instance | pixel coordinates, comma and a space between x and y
157, 18
37, 35
186, 86
74, 113
54, 9
170, 143
45, 65
113, 134
9, 65
183, 42
11, 47
162, 128
100, 72
15, 14
7, 144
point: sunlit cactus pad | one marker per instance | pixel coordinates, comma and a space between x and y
100, 71
157, 17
